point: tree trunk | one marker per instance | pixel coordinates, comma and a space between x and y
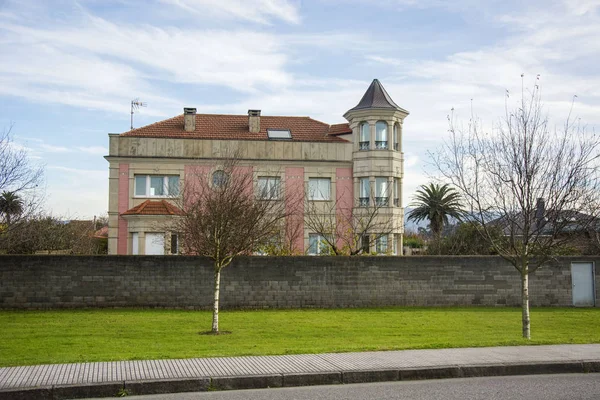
215, 320
525, 300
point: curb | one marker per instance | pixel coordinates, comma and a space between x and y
113, 389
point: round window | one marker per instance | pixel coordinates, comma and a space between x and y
219, 178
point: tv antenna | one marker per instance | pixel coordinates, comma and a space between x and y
135, 106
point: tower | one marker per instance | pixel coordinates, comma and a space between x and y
378, 160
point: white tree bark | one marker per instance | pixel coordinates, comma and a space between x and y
525, 301
217, 288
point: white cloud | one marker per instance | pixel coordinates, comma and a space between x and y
259, 11
97, 64
95, 150
53, 149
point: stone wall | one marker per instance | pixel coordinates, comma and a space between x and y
34, 282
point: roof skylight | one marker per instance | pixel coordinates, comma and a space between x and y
279, 134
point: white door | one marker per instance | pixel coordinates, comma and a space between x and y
135, 243
582, 278
155, 243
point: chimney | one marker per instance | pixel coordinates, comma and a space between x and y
540, 209
189, 119
254, 121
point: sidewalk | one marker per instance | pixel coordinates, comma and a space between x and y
108, 379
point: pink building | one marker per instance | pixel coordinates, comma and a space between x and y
345, 170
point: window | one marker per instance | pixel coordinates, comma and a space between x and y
135, 243
396, 141
219, 178
174, 243
269, 188
382, 187
319, 188
396, 192
317, 245
365, 136
156, 185
381, 136
365, 192
279, 134
381, 244
365, 244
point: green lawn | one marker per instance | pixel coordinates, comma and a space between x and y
39, 337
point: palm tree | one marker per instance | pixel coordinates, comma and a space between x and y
11, 204
436, 203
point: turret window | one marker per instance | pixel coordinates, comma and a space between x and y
381, 191
365, 192
381, 135
396, 138
365, 136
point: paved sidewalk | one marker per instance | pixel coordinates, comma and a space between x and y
165, 376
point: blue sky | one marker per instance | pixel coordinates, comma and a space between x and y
68, 69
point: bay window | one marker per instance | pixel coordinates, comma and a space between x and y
381, 191
381, 135
381, 244
365, 136
365, 192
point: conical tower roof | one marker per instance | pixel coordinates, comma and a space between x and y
376, 97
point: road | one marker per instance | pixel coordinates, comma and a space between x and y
534, 387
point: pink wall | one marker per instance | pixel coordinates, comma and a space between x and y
294, 205
195, 175
123, 205
344, 200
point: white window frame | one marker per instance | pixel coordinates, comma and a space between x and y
364, 139
364, 191
382, 190
381, 135
148, 179
316, 193
322, 246
268, 187
379, 242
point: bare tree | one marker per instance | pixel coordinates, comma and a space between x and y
539, 185
345, 229
17, 173
222, 218
19, 187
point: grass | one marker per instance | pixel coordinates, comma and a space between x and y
44, 337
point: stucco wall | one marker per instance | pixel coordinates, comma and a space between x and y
279, 282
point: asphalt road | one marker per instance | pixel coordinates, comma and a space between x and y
534, 387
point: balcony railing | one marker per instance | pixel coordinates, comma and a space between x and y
381, 201
381, 145
363, 145
363, 201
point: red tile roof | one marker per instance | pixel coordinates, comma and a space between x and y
340, 129
220, 126
101, 233
150, 207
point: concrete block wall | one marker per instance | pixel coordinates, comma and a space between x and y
39, 282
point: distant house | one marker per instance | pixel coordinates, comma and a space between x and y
574, 229
354, 163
